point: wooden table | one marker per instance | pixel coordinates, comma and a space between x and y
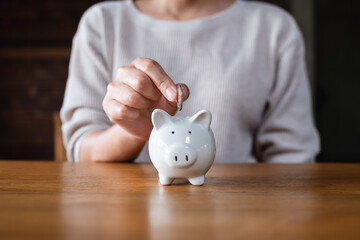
48, 200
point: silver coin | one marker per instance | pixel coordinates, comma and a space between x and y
180, 98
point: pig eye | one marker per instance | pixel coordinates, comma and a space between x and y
172, 132
189, 132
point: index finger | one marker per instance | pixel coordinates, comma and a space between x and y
159, 77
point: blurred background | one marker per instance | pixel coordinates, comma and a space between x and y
35, 45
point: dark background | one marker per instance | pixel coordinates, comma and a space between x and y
337, 79
35, 43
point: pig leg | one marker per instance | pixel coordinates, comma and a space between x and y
197, 180
165, 180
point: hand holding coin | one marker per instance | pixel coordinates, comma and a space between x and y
138, 89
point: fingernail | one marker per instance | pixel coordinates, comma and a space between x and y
171, 93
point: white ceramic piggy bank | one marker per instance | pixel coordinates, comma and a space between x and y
182, 147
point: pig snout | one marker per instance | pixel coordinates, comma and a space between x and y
181, 156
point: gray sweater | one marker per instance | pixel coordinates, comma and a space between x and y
244, 64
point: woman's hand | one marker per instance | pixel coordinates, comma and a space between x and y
138, 89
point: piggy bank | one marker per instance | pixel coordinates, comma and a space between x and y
182, 147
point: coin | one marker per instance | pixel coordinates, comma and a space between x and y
180, 98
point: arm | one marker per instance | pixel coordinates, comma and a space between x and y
82, 112
112, 144
116, 127
287, 133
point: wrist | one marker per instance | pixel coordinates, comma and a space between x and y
110, 145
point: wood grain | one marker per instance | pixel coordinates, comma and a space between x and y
52, 200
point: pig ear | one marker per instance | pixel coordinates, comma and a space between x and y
160, 118
203, 117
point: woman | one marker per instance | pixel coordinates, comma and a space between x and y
243, 61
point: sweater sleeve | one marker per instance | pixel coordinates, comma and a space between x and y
287, 132
88, 77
